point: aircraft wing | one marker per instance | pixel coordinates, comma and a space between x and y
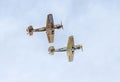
50, 36
50, 28
70, 46
70, 55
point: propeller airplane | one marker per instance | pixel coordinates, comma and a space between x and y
69, 49
50, 28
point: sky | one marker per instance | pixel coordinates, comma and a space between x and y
93, 23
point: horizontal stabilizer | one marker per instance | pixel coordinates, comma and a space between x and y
30, 30
51, 50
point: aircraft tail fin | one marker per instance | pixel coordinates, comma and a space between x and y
51, 50
30, 30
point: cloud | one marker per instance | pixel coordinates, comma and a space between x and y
95, 24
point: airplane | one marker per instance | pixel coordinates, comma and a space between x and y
69, 49
49, 28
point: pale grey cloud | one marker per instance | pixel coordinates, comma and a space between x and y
95, 24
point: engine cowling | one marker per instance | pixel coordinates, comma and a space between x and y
78, 47
58, 26
51, 50
30, 30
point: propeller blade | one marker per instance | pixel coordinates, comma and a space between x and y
82, 48
61, 25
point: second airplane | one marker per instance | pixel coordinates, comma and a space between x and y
49, 28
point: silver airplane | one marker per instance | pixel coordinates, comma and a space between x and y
69, 49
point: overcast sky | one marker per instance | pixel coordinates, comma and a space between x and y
94, 23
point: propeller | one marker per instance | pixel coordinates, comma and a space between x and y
81, 47
61, 25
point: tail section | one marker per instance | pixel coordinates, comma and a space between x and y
30, 30
51, 50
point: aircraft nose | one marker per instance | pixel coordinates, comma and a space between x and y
81, 47
29, 30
